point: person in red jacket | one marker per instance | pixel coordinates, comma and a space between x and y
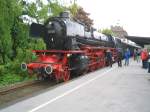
144, 58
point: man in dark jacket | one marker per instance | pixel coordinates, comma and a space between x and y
109, 57
119, 58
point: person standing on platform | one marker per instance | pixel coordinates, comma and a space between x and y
119, 58
138, 55
109, 57
127, 56
144, 58
134, 55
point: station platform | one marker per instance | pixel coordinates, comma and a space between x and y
116, 89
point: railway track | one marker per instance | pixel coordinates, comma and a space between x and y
11, 94
17, 92
6, 89
21, 91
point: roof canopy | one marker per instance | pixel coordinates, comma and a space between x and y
139, 40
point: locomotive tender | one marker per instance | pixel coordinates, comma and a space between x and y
71, 48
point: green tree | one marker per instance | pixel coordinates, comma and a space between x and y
7, 14
83, 17
55, 7
20, 36
41, 11
73, 9
107, 32
36, 10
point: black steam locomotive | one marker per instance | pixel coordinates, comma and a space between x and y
62, 33
68, 50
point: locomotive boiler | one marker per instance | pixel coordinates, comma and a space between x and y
63, 33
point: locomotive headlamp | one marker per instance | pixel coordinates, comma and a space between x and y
48, 69
68, 55
24, 66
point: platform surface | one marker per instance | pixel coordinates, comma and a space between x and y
125, 89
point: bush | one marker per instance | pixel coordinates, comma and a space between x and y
2, 70
12, 73
10, 79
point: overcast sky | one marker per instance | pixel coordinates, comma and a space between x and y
133, 15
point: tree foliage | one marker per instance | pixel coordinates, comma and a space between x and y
107, 31
36, 10
83, 16
79, 14
73, 9
15, 44
9, 10
55, 8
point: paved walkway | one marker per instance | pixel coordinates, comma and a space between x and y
125, 89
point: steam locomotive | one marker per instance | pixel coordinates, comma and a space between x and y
71, 48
